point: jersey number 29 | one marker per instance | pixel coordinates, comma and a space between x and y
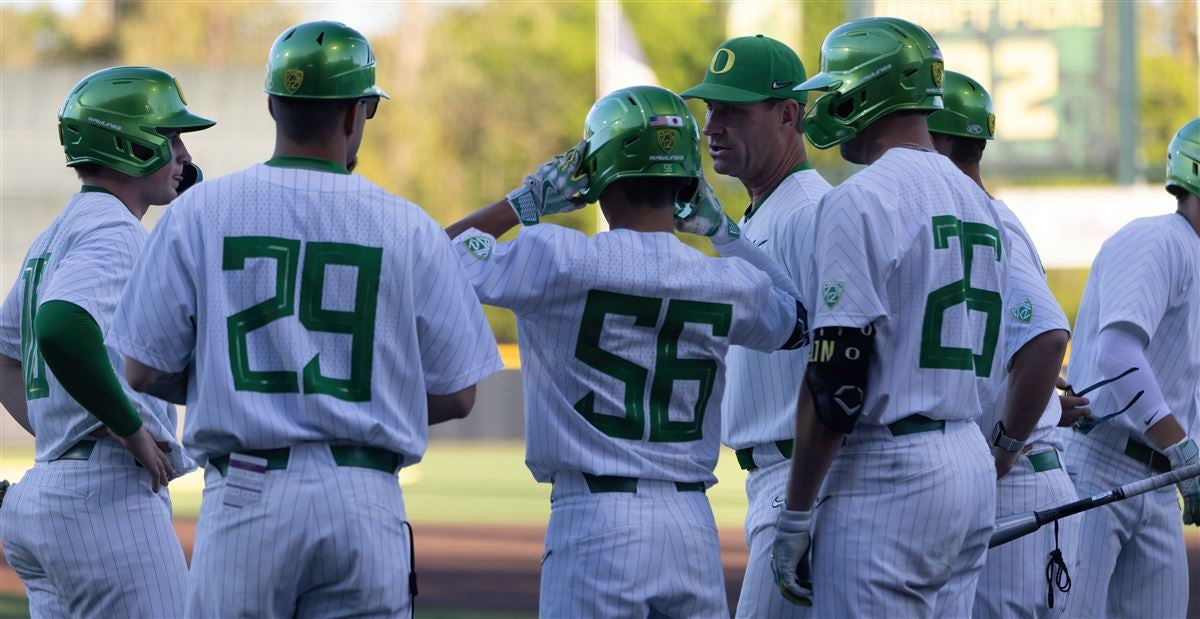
668, 366
358, 323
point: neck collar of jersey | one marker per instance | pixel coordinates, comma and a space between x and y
753, 208
96, 189
308, 163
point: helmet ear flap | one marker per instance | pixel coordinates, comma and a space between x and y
192, 174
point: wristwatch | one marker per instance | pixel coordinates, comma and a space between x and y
1003, 441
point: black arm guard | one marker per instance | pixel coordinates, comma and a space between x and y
837, 374
799, 336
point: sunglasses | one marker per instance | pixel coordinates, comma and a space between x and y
1087, 424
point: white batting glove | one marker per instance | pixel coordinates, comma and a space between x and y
1181, 454
554, 187
703, 215
790, 556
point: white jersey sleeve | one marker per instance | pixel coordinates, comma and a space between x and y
155, 322
771, 317
1141, 279
10, 321
453, 333
516, 275
93, 274
851, 255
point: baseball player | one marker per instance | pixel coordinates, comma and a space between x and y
87, 530
316, 325
910, 260
754, 127
622, 339
1138, 334
1025, 446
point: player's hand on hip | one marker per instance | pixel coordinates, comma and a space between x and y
554, 187
152, 457
1182, 454
790, 556
1074, 407
1006, 460
704, 216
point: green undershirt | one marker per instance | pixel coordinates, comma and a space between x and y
753, 208
73, 347
308, 163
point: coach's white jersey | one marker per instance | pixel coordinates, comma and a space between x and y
623, 337
762, 387
309, 306
892, 242
1030, 310
84, 257
1147, 275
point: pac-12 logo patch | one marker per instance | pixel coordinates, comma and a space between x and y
666, 139
479, 246
292, 78
1023, 311
938, 71
831, 292
991, 124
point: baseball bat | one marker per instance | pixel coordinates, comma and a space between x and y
1011, 527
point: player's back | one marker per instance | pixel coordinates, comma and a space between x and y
934, 251
1146, 275
316, 295
623, 337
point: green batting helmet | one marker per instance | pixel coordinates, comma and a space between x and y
322, 60
968, 112
639, 131
1183, 160
112, 118
869, 68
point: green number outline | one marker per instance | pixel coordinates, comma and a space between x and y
286, 254
33, 366
359, 323
645, 312
669, 367
933, 354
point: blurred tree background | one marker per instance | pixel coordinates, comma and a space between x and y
484, 91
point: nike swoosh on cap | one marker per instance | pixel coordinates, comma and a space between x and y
776, 84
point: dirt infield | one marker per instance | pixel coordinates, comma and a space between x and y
493, 568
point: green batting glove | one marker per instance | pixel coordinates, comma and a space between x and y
1181, 454
703, 215
790, 556
554, 187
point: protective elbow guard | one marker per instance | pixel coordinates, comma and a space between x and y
837, 374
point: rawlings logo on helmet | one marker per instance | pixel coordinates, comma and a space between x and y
974, 129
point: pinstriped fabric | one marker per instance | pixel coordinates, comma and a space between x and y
89, 539
877, 262
631, 555
1131, 560
762, 387
352, 544
760, 596
91, 249
902, 524
545, 275
1013, 583
1132, 557
429, 332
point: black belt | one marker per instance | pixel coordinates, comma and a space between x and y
615, 483
745, 455
344, 455
915, 424
1143, 453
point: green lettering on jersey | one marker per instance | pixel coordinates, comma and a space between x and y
33, 366
933, 354
668, 366
358, 323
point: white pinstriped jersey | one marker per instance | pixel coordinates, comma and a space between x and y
84, 257
623, 337
762, 387
309, 306
1146, 275
892, 242
1030, 310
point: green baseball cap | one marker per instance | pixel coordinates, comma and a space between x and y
751, 69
